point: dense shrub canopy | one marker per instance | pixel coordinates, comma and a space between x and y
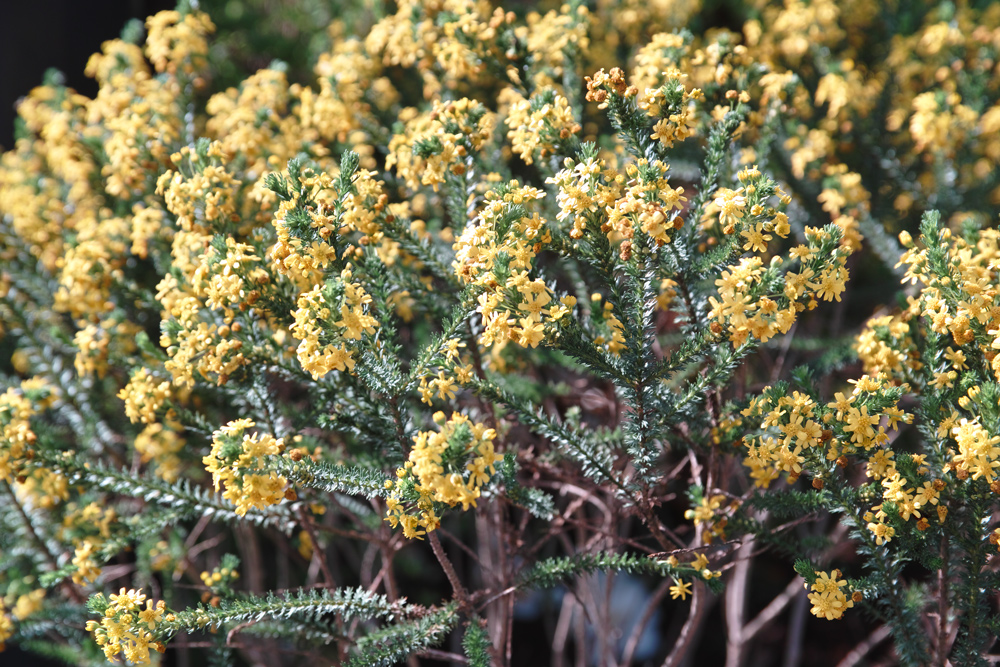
498, 314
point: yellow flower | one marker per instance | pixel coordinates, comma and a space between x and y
680, 589
860, 425
731, 204
531, 333
700, 562
28, 604
705, 510
445, 386
152, 615
882, 532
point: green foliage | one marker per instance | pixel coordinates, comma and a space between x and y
476, 645
547, 573
314, 605
386, 647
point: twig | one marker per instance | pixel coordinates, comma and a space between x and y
862, 649
437, 654
942, 629
317, 550
796, 631
561, 635
461, 545
771, 611
196, 532
493, 598
449, 571
204, 545
654, 602
229, 635
736, 595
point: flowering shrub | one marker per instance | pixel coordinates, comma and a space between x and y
497, 302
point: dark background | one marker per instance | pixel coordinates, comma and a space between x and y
38, 34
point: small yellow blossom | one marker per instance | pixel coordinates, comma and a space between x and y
680, 589
827, 598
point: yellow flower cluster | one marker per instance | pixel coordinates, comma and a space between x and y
612, 331
705, 513
681, 589
539, 125
908, 501
226, 281
957, 306
93, 343
326, 318
448, 467
496, 255
91, 267
550, 38
932, 64
144, 395
221, 275
440, 142
935, 109
194, 345
886, 346
828, 601
93, 520
178, 43
792, 418
87, 528
587, 189
758, 302
467, 41
649, 203
795, 429
6, 626
238, 462
940, 124
457, 41
959, 296
161, 443
219, 575
253, 122
313, 220
618, 22
978, 451
671, 104
200, 191
126, 629
17, 437
350, 94
40, 209
142, 114
43, 487
28, 604
86, 569
851, 414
